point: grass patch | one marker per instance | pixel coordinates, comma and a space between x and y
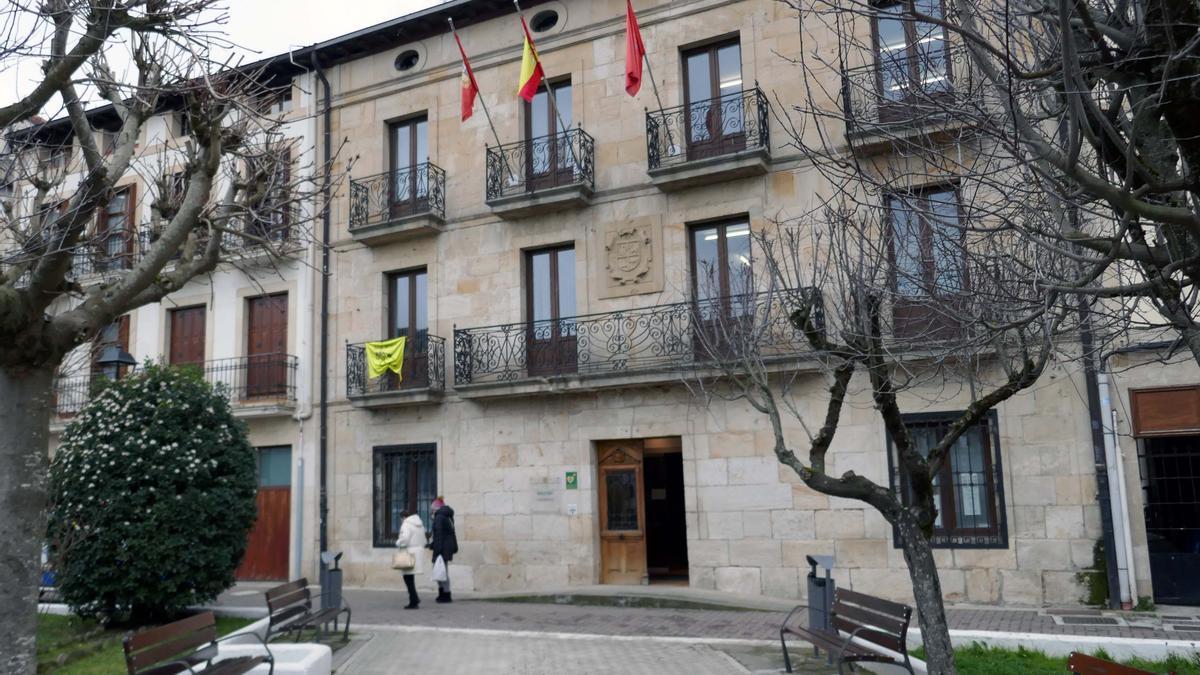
979, 659
68, 645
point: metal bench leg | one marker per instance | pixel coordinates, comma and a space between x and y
346, 632
787, 660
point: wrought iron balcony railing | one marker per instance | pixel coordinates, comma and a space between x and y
660, 338
557, 160
71, 393
412, 190
424, 368
260, 379
907, 91
706, 129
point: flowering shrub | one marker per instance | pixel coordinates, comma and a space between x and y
152, 496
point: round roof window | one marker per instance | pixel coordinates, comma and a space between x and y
544, 21
407, 60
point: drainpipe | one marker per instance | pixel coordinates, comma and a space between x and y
1120, 507
1103, 490
323, 422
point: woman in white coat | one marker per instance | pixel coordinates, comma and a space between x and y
412, 539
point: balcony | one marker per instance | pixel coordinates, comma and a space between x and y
908, 98
262, 385
633, 347
544, 174
423, 379
398, 204
709, 141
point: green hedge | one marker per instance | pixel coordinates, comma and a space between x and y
152, 496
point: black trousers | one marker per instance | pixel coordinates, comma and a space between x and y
410, 583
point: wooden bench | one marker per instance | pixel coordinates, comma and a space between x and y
291, 610
184, 646
1090, 665
855, 616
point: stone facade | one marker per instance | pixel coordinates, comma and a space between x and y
750, 522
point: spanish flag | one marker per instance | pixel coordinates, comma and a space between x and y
531, 68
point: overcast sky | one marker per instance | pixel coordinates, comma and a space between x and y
267, 27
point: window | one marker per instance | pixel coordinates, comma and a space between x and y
405, 479
270, 216
928, 261
114, 232
409, 148
408, 315
712, 77
969, 486
407, 60
550, 158
550, 310
544, 21
183, 123
187, 331
275, 466
911, 55
721, 261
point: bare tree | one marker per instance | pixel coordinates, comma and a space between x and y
1086, 110
964, 320
235, 194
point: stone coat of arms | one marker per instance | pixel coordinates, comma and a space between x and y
629, 254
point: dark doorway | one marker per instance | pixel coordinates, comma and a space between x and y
1170, 468
666, 524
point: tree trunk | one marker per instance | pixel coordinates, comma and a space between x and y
25, 402
927, 592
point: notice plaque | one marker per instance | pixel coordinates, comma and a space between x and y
546, 496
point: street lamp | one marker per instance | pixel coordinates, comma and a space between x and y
111, 358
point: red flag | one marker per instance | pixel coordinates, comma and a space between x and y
635, 51
469, 87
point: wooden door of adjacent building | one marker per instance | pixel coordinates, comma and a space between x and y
266, 556
622, 512
266, 346
187, 336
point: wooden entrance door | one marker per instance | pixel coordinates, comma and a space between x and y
266, 346
622, 513
267, 545
187, 336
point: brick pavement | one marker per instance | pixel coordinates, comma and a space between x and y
383, 607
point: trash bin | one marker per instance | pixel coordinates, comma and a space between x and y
331, 580
820, 592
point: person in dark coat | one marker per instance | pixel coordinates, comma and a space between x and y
444, 542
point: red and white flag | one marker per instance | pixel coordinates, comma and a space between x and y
635, 51
470, 88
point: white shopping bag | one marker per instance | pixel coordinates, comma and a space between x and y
439, 570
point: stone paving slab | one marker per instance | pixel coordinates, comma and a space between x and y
384, 607
450, 651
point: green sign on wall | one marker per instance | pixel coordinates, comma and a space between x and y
572, 480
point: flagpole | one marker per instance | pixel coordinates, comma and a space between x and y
483, 102
482, 99
553, 103
657, 96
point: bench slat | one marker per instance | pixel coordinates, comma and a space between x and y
155, 635
279, 602
173, 641
237, 666
1090, 665
884, 622
871, 602
885, 640
274, 592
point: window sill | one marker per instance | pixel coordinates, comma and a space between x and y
537, 202
698, 172
398, 229
399, 398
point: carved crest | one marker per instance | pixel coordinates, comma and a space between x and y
629, 254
